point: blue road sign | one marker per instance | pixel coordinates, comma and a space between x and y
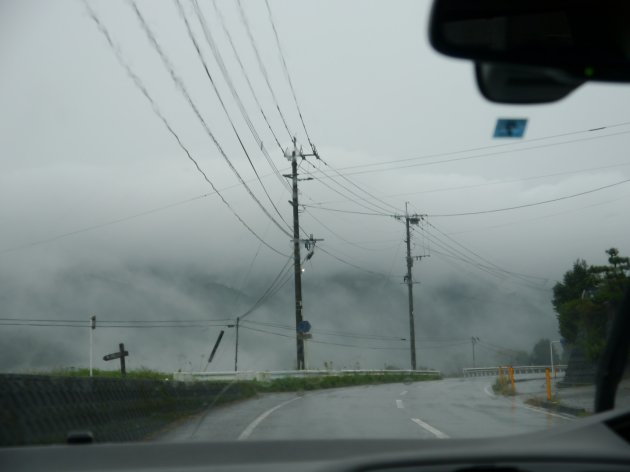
510, 128
303, 327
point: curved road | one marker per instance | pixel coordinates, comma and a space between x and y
455, 408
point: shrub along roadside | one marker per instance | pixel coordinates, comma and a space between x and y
295, 384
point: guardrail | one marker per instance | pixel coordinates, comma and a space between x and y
279, 374
521, 369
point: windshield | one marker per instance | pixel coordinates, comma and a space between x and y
235, 220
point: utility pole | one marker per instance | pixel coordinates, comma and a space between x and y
292, 155
92, 328
238, 321
411, 220
474, 341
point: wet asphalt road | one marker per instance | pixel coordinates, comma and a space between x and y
455, 408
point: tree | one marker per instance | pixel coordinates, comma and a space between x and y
586, 298
541, 353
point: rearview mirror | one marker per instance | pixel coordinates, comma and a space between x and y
573, 40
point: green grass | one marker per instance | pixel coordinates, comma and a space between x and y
136, 374
502, 386
296, 384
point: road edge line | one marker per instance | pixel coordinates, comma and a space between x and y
252, 426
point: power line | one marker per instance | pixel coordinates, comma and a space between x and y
277, 283
334, 233
140, 85
551, 215
182, 88
350, 264
103, 321
344, 334
228, 80
229, 118
463, 151
544, 202
509, 181
516, 274
457, 254
240, 63
261, 65
358, 202
362, 189
286, 72
345, 211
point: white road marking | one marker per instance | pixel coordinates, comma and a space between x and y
434, 431
399, 403
488, 392
403, 393
252, 426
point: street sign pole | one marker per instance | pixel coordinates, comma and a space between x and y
121, 354
123, 370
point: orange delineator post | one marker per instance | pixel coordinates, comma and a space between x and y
548, 379
511, 375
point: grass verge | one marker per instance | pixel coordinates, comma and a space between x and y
502, 386
296, 384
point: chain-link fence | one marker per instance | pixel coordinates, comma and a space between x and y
42, 410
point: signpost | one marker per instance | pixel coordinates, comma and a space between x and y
303, 327
121, 354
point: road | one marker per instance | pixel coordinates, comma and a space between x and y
450, 408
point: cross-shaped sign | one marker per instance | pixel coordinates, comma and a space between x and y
118, 355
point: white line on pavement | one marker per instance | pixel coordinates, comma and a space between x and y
252, 426
488, 392
399, 404
434, 431
403, 393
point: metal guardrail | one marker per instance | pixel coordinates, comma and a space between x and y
521, 369
279, 374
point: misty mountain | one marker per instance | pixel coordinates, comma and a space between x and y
359, 320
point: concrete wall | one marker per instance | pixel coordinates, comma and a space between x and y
40, 409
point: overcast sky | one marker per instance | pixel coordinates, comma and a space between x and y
81, 147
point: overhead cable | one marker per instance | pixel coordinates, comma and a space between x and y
140, 85
528, 205
261, 65
229, 118
228, 80
182, 88
247, 79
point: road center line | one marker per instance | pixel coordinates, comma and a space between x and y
403, 393
399, 403
252, 426
434, 431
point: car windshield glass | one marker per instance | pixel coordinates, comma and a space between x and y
239, 220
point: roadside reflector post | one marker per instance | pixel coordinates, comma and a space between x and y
511, 375
548, 379
500, 376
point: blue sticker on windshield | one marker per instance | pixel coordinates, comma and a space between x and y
510, 128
